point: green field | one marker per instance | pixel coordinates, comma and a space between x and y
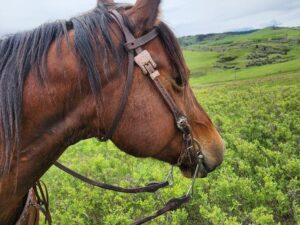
228, 57
256, 109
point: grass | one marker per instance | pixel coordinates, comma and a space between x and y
249, 73
200, 62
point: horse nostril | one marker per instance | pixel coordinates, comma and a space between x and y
214, 155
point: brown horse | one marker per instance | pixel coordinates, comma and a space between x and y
62, 83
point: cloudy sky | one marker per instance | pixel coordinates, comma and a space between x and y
186, 17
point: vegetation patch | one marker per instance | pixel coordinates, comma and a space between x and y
263, 55
232, 55
257, 110
258, 183
226, 61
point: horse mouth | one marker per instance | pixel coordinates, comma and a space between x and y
198, 166
189, 171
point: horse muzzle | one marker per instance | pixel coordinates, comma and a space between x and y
195, 166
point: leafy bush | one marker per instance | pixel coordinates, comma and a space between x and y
226, 58
258, 183
264, 55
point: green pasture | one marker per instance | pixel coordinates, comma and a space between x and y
256, 109
249, 73
276, 34
228, 57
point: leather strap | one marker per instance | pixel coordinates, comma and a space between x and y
40, 203
172, 205
124, 99
151, 188
137, 43
128, 35
131, 45
42, 195
167, 98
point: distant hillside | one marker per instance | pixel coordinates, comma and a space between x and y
194, 39
271, 50
257, 35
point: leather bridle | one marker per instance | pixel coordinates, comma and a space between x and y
148, 66
191, 152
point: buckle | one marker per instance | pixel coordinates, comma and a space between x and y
144, 61
182, 123
154, 74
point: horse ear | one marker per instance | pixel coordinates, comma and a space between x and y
143, 15
105, 1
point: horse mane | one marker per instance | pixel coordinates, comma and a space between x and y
22, 52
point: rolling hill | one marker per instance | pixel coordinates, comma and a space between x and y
242, 55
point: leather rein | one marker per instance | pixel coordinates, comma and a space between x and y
191, 151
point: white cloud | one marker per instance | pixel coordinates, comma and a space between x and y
19, 15
185, 17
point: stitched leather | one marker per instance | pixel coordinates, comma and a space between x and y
151, 188
131, 45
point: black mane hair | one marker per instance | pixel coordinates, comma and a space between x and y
22, 52
171, 44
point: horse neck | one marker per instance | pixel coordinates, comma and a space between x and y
55, 116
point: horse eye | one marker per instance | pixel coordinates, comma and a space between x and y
178, 80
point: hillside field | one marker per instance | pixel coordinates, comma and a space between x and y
252, 93
234, 56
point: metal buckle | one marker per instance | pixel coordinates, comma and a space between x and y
181, 123
154, 74
144, 59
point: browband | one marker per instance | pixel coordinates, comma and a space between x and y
131, 45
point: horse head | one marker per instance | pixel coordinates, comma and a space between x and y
147, 127
63, 82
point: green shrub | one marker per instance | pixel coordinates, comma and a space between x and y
258, 183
